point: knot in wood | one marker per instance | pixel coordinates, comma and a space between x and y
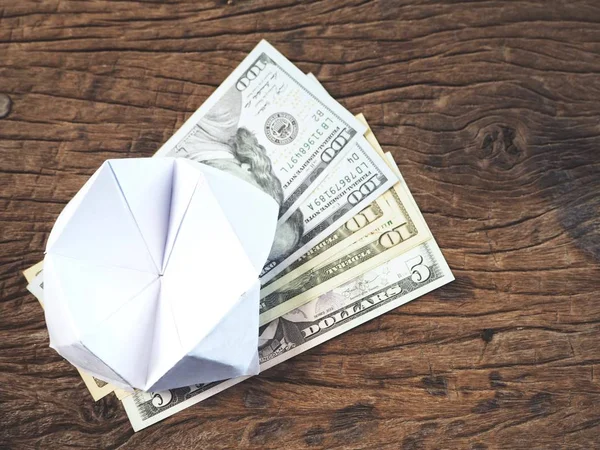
500, 145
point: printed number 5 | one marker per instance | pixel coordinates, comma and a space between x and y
419, 272
161, 399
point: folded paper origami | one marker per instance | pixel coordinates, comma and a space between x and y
151, 274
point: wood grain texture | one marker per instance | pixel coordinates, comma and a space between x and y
491, 109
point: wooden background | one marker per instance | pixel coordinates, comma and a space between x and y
491, 109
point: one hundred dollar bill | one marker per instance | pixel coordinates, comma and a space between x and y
394, 283
355, 182
98, 388
269, 125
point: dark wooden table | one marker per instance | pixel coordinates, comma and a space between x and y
492, 111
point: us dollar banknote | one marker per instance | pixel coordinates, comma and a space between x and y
394, 283
97, 388
267, 124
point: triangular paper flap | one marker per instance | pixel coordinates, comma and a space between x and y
251, 213
85, 360
185, 180
125, 340
102, 230
235, 339
166, 346
61, 328
229, 350
207, 271
68, 210
146, 185
188, 370
92, 292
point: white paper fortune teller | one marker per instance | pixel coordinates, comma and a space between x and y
151, 274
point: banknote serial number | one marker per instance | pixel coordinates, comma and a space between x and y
345, 182
324, 126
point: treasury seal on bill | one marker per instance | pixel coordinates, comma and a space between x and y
281, 128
